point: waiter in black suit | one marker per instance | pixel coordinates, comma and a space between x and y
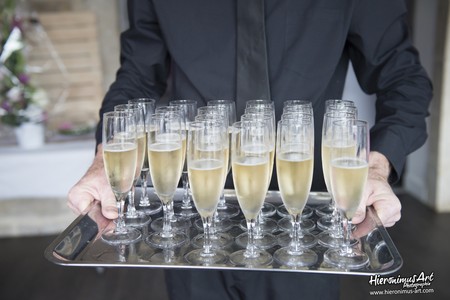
301, 52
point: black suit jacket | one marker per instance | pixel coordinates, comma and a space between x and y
309, 44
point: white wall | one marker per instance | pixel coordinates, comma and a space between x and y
364, 102
424, 27
49, 171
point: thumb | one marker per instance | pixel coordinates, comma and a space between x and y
79, 200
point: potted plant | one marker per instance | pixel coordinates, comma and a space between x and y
22, 104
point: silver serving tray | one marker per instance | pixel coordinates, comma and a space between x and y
81, 244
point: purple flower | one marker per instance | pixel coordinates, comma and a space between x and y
24, 78
6, 106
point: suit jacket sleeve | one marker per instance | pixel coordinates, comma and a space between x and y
387, 64
144, 60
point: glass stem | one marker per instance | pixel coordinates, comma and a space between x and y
120, 224
347, 235
213, 229
296, 233
258, 229
206, 235
144, 196
167, 219
250, 251
216, 217
222, 204
131, 207
186, 204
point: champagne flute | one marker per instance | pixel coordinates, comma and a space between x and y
134, 217
120, 158
264, 107
228, 109
338, 106
295, 162
251, 171
166, 161
145, 205
291, 110
348, 177
185, 209
225, 210
286, 224
178, 222
206, 166
221, 223
264, 227
332, 236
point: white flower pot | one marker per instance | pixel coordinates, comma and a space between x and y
30, 135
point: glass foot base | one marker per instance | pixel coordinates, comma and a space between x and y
227, 211
126, 235
267, 226
178, 224
268, 210
347, 260
174, 240
327, 222
137, 219
242, 259
222, 225
306, 240
325, 210
332, 240
265, 241
150, 209
302, 258
184, 212
219, 240
198, 257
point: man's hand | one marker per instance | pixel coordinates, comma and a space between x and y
93, 186
379, 193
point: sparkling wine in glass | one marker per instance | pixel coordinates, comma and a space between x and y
206, 167
334, 109
220, 223
295, 162
120, 158
348, 177
145, 204
227, 109
264, 107
166, 155
251, 171
332, 236
178, 222
292, 109
135, 217
225, 210
264, 226
186, 209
